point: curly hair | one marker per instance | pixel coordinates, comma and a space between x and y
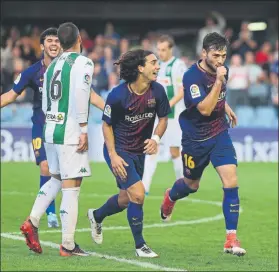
129, 63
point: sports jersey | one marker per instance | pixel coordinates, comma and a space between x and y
66, 94
197, 85
33, 77
132, 116
170, 76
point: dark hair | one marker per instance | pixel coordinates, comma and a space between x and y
166, 38
129, 63
52, 31
68, 35
214, 41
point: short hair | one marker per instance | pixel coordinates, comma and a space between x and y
214, 41
166, 38
67, 35
52, 31
129, 63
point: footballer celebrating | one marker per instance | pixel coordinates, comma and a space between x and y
205, 136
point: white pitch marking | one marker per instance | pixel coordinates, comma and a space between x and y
101, 256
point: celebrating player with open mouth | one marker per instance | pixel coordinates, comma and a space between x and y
128, 118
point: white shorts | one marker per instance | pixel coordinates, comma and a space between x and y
64, 160
173, 134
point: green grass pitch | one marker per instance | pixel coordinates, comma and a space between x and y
193, 241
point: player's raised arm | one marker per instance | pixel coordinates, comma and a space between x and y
8, 98
97, 100
20, 84
207, 105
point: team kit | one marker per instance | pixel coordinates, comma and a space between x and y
158, 101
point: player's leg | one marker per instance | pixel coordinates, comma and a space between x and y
151, 162
73, 167
176, 160
115, 204
223, 158
173, 141
52, 219
135, 218
193, 167
46, 194
41, 160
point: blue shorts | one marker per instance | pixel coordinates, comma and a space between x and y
134, 170
37, 142
197, 155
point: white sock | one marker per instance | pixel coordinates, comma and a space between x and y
230, 231
150, 166
178, 167
45, 196
69, 215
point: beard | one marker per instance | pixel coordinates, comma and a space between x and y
210, 66
81, 48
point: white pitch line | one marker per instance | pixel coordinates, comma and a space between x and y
90, 195
101, 256
156, 225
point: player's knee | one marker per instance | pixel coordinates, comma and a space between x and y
192, 184
123, 201
137, 198
230, 182
44, 170
174, 152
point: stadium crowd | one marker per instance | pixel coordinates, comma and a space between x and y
253, 75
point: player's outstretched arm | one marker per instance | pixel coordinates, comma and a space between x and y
8, 98
207, 105
97, 100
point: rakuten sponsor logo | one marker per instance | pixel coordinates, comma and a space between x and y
139, 117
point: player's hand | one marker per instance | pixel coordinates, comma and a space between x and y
83, 142
151, 147
232, 116
221, 72
118, 166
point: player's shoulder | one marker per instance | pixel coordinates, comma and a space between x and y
83, 60
33, 68
193, 73
118, 92
179, 62
157, 87
29, 73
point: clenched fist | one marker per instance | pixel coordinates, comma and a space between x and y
221, 72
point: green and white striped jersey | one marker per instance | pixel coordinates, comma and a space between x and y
65, 97
170, 76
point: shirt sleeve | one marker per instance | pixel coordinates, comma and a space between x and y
22, 81
194, 90
83, 80
110, 108
162, 103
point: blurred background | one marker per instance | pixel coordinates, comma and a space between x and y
110, 28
